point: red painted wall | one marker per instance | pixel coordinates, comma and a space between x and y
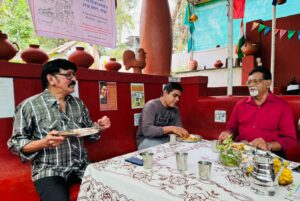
196, 106
287, 62
120, 138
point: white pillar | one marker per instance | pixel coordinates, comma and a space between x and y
273, 46
230, 47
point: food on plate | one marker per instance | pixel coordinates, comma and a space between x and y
80, 132
238, 146
190, 138
230, 158
229, 155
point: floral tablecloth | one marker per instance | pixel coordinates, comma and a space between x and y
115, 179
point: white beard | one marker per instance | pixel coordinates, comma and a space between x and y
253, 92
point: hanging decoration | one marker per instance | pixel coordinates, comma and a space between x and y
189, 19
261, 27
254, 25
267, 30
291, 34
282, 32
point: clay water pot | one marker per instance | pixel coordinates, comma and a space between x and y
34, 55
81, 58
156, 36
113, 65
7, 49
250, 48
218, 64
193, 64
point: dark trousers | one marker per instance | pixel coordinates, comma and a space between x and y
55, 188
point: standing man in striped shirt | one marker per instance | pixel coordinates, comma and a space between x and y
57, 161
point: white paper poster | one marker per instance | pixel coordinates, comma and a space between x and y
76, 90
7, 99
91, 21
136, 118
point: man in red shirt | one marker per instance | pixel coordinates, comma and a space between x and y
263, 119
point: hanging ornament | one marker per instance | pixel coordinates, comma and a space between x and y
254, 25
193, 18
291, 34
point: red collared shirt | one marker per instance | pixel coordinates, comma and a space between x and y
272, 121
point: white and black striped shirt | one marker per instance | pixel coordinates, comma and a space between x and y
38, 115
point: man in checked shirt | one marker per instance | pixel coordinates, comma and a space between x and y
57, 161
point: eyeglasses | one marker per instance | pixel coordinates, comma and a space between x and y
69, 75
254, 81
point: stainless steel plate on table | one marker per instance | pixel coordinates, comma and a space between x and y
80, 132
191, 138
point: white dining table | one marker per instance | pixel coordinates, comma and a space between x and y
115, 179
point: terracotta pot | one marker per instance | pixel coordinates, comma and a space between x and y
7, 49
156, 36
81, 58
193, 64
218, 64
250, 48
113, 65
34, 54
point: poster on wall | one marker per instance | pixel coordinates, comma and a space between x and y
81, 20
76, 90
136, 118
137, 95
108, 96
7, 99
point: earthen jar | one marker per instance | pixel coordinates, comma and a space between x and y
218, 64
113, 65
81, 58
34, 54
193, 64
7, 49
156, 36
250, 48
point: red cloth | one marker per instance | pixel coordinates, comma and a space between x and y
272, 121
238, 9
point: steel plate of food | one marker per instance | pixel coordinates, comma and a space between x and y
80, 132
190, 138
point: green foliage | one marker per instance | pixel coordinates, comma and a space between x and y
16, 22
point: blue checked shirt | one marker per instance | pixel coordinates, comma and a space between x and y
38, 115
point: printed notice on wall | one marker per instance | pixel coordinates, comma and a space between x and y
108, 96
137, 95
91, 21
7, 99
76, 90
136, 118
